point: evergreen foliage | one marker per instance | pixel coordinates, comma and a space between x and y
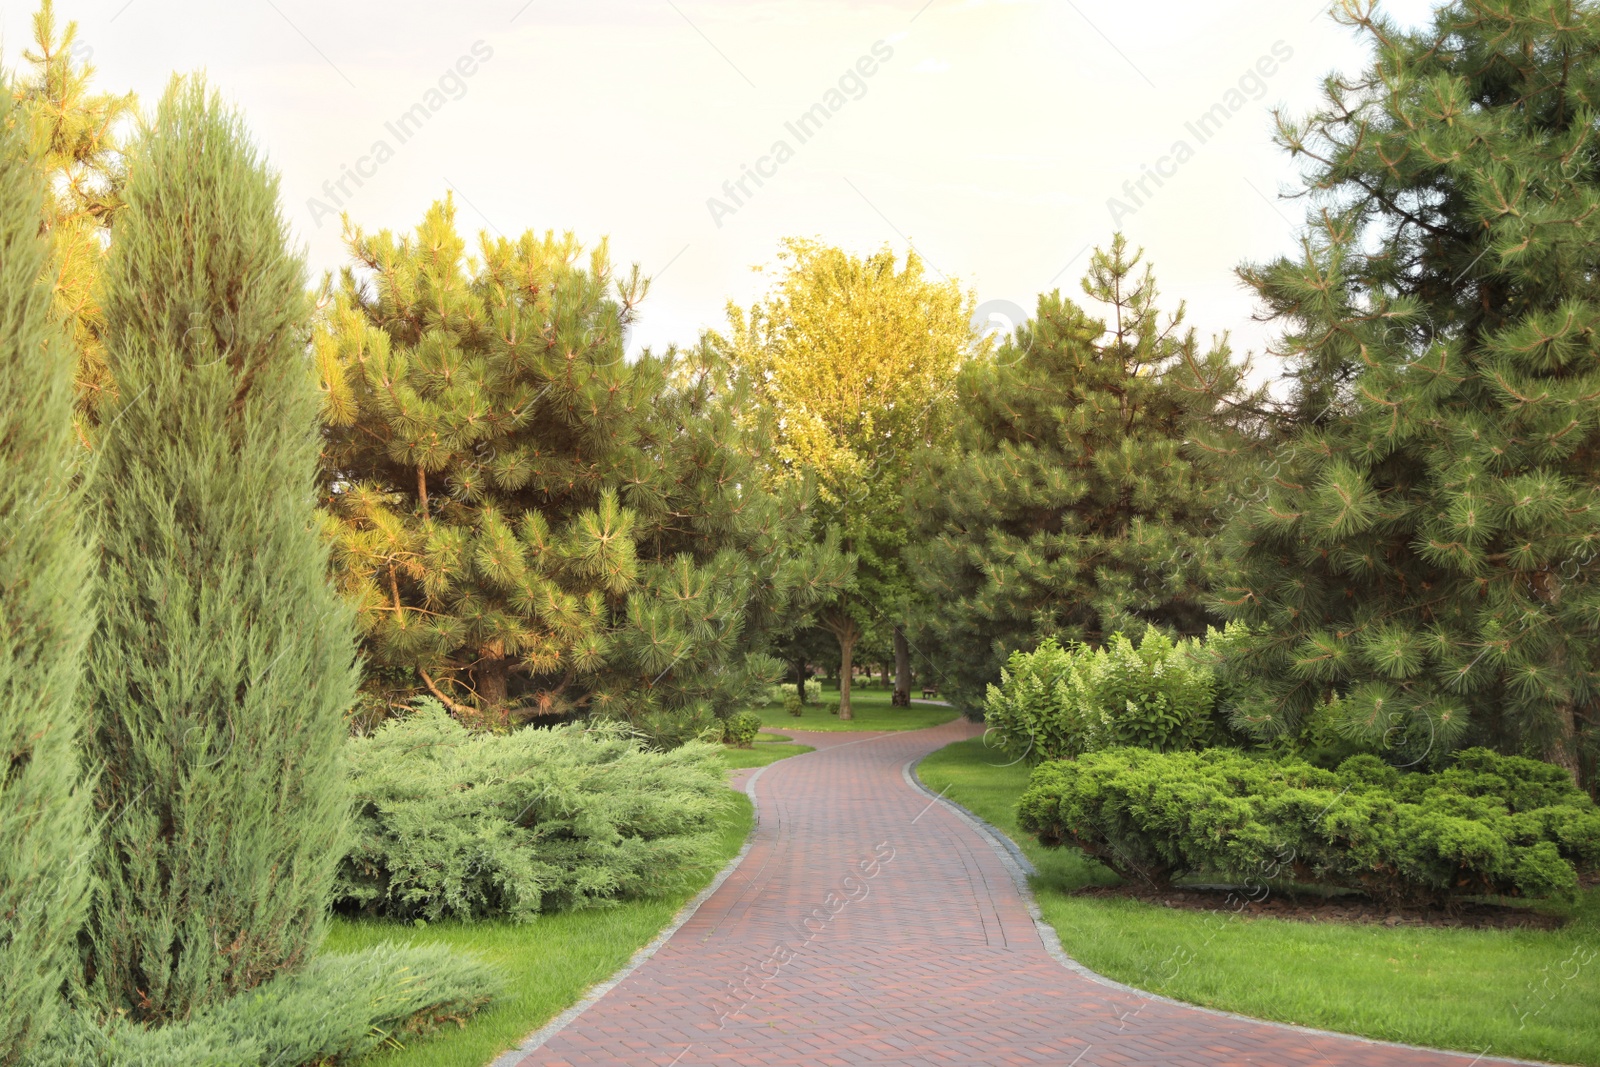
224, 662
1073, 503
76, 138
474, 825
1490, 825
45, 835
335, 1011
1426, 555
532, 524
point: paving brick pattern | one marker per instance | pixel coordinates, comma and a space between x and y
869, 926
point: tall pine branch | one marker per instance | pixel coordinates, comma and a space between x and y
1424, 569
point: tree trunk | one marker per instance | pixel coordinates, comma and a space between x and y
902, 669
847, 648
800, 678
490, 674
1563, 748
842, 625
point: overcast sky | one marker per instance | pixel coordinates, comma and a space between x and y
990, 134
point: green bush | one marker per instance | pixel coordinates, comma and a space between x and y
1490, 824
791, 704
224, 661
741, 729
781, 692
337, 1009
470, 825
45, 816
1030, 714
1056, 703
667, 728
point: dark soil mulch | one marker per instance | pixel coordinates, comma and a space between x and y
1313, 908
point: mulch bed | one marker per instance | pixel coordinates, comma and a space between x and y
1339, 909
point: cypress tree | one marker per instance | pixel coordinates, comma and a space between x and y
224, 662
44, 814
1074, 503
1425, 564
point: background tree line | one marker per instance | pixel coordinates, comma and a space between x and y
534, 525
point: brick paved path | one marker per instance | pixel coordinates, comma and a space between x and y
867, 926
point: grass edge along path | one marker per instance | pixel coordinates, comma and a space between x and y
1514, 993
762, 753
550, 964
870, 707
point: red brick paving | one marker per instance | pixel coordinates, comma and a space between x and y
867, 926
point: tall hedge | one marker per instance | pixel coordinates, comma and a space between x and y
44, 833
224, 662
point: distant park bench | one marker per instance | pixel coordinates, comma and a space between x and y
928, 692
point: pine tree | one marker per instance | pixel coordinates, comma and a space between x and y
224, 661
1426, 559
45, 837
76, 138
533, 525
721, 531
1074, 503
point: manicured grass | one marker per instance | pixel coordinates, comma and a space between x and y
1520, 993
762, 754
870, 706
548, 963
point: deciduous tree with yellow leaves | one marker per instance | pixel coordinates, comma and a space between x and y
855, 356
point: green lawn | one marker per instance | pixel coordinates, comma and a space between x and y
549, 963
763, 753
871, 709
1525, 994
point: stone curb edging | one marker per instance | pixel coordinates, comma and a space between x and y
1020, 868
533, 1041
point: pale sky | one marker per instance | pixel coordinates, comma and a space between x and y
989, 134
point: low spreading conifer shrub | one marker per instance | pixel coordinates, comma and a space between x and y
336, 1010
1487, 825
471, 825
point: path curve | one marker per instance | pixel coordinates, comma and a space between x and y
868, 924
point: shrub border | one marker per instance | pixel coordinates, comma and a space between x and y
1019, 867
